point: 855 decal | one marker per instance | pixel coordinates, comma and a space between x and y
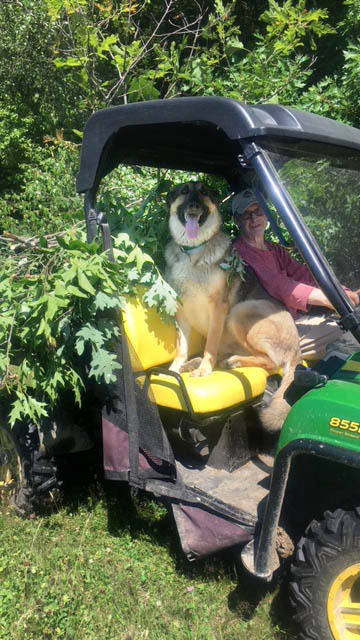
347, 427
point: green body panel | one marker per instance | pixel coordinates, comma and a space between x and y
329, 414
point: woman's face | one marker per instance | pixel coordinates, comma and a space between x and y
253, 221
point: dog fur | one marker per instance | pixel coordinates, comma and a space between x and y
242, 324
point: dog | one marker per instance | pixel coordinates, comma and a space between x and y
242, 325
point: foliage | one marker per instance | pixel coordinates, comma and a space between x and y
134, 202
47, 200
56, 326
109, 50
292, 26
119, 52
234, 265
15, 143
34, 100
327, 194
336, 92
277, 69
77, 56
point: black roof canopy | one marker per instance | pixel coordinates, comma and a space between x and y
195, 134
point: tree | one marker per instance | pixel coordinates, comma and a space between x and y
116, 52
34, 100
79, 56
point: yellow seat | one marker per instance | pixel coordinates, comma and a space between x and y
153, 342
219, 391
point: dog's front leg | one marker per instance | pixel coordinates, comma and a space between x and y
182, 341
217, 314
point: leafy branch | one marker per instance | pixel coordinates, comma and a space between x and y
58, 295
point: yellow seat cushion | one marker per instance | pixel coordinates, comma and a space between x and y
221, 390
154, 342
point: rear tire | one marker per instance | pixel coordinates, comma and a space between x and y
325, 578
14, 487
26, 476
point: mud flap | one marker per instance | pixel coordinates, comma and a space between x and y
203, 532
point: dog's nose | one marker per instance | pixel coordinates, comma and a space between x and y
194, 203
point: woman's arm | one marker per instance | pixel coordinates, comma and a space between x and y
317, 297
300, 272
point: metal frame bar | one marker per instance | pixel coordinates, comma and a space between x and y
266, 544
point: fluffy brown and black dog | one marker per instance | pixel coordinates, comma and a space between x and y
242, 325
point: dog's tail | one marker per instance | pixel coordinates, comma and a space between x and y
273, 416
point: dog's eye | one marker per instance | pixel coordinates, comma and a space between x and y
185, 189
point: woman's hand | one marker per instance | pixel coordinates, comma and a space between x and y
354, 296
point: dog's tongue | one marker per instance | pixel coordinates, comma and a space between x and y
191, 228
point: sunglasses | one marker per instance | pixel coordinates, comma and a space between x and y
252, 214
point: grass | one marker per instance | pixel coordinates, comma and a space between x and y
108, 567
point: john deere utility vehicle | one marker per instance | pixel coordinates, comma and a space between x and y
193, 442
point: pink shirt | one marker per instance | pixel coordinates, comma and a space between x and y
281, 276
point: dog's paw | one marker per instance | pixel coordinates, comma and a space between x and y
175, 367
230, 363
190, 365
201, 372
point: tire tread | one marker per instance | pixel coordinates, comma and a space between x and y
323, 541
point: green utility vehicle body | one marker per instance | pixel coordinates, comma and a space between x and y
324, 424
203, 464
328, 414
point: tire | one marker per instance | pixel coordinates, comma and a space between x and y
325, 578
14, 488
26, 476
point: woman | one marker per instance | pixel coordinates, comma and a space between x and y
289, 282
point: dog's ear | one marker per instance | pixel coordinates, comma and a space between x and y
211, 193
171, 196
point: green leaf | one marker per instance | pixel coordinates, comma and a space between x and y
37, 409
26, 406
233, 45
103, 301
103, 365
68, 274
84, 283
62, 63
76, 292
162, 296
88, 334
78, 133
140, 257
16, 412
141, 88
53, 306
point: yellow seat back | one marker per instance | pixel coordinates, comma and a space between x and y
152, 339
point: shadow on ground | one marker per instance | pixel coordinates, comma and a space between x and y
250, 591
